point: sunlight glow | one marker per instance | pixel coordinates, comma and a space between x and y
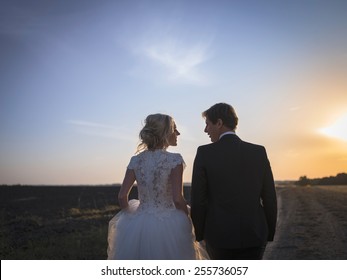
337, 129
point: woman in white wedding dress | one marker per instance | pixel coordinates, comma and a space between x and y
157, 226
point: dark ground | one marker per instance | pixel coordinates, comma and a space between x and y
55, 222
64, 222
312, 224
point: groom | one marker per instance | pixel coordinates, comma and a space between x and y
233, 198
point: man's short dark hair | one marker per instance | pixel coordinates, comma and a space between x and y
222, 111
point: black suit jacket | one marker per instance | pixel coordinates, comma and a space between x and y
233, 198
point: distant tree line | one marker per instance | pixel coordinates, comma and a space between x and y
339, 179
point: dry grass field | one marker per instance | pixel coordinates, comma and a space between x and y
63, 222
312, 224
55, 222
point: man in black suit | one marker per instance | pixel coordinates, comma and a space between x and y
233, 197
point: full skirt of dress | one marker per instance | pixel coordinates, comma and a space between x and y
152, 235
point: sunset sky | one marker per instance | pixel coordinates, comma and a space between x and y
78, 78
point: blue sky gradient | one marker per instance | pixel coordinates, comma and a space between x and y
79, 77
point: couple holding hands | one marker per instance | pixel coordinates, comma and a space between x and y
233, 208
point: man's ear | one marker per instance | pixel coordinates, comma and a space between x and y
219, 123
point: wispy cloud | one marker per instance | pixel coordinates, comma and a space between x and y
101, 130
181, 62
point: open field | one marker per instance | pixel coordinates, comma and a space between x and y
55, 222
312, 224
71, 222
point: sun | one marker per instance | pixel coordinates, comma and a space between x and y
337, 129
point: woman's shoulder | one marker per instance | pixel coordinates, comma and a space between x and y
136, 159
156, 154
174, 155
176, 159
132, 162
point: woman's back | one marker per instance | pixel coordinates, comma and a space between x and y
152, 170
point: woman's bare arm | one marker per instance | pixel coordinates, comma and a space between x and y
177, 188
125, 189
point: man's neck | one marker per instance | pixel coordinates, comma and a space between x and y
226, 133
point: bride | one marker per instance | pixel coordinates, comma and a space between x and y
157, 226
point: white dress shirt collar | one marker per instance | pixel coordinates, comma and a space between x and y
226, 133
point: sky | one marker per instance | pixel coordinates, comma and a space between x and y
78, 78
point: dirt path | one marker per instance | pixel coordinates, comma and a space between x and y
312, 224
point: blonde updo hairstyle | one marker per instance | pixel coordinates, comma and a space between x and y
156, 132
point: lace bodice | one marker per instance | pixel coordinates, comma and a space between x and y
152, 170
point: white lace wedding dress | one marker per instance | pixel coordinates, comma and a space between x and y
152, 228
